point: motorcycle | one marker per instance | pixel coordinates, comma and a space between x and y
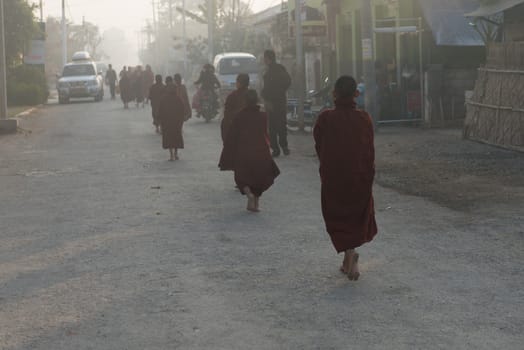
206, 104
311, 112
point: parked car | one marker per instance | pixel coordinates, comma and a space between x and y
80, 79
229, 65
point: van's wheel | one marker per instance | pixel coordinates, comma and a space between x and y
63, 100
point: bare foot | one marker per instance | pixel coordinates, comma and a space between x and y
350, 265
344, 266
353, 273
251, 200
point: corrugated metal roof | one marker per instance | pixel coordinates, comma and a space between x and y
448, 24
494, 8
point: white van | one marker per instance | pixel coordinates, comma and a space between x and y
229, 65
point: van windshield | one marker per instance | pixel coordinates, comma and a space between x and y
79, 70
237, 65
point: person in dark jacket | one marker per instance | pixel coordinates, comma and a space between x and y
246, 152
111, 79
276, 83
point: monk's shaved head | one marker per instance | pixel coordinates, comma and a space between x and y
345, 87
243, 80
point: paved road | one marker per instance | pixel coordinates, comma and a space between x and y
106, 245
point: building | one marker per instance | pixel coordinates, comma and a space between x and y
495, 110
411, 37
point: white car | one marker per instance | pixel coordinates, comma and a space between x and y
80, 79
229, 65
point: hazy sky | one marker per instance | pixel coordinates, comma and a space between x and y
129, 15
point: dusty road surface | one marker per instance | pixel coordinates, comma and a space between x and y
106, 245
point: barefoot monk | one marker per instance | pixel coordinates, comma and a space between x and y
246, 152
345, 148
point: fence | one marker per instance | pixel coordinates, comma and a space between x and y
495, 112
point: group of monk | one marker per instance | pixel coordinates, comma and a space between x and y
134, 85
170, 109
344, 143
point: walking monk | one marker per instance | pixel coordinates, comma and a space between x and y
235, 102
155, 95
171, 114
345, 148
246, 152
182, 93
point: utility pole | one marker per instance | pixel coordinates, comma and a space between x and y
367, 28
300, 63
3, 85
155, 33
64, 35
6, 125
184, 36
171, 16
211, 29
41, 11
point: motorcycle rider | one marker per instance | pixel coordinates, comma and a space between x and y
208, 83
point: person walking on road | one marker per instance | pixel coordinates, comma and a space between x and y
345, 147
182, 93
148, 78
276, 83
156, 92
125, 88
246, 152
138, 87
171, 113
235, 102
111, 79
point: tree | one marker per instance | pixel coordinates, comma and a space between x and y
80, 37
86, 37
20, 28
228, 22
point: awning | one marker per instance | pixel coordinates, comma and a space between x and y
494, 8
448, 24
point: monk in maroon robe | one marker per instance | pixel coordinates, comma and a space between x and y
345, 147
156, 92
171, 114
235, 102
247, 152
182, 93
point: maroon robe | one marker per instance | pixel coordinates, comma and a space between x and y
125, 88
148, 78
171, 115
182, 93
235, 102
345, 147
246, 152
155, 95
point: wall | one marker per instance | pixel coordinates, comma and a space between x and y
445, 95
495, 113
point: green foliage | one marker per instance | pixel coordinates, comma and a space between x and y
228, 22
26, 86
20, 28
